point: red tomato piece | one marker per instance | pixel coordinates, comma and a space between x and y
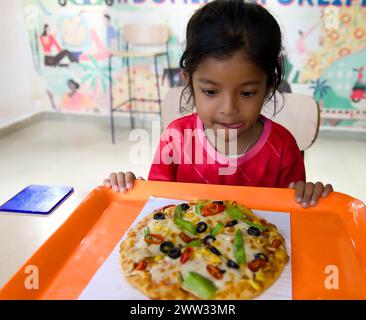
186, 255
212, 208
256, 264
141, 265
214, 271
154, 238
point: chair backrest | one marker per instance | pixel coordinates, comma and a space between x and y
298, 113
146, 34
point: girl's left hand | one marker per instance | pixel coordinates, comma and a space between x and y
309, 193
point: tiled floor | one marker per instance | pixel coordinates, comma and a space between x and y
81, 155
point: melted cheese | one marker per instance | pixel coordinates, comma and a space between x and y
167, 269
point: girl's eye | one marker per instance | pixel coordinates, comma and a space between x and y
209, 93
247, 94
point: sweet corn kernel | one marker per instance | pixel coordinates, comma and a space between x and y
195, 219
189, 215
205, 251
216, 243
158, 258
158, 227
197, 254
214, 259
260, 276
163, 228
255, 285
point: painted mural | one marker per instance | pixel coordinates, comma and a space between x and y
327, 57
325, 46
71, 42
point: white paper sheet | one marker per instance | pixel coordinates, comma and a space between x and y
109, 282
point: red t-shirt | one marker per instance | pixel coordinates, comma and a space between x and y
184, 154
47, 44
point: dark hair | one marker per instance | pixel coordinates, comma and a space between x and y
222, 27
77, 86
44, 30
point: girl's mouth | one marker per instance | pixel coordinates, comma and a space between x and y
236, 125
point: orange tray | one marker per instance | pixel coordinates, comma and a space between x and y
333, 233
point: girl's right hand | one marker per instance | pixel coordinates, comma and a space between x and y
121, 182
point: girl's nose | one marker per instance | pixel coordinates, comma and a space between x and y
229, 106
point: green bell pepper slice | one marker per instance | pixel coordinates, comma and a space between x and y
234, 213
194, 243
199, 285
239, 249
198, 208
217, 229
185, 225
178, 212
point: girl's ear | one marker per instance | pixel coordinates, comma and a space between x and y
185, 76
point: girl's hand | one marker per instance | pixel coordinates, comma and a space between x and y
309, 193
121, 182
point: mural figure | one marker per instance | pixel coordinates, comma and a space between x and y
359, 89
300, 52
112, 35
74, 100
48, 42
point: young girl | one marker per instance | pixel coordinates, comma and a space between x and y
232, 65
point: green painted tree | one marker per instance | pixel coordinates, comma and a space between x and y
96, 75
320, 89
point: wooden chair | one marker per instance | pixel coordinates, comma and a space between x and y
298, 113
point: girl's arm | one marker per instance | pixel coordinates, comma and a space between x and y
309, 193
121, 182
292, 176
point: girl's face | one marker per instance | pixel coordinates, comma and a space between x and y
229, 94
71, 86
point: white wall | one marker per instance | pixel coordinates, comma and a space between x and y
18, 82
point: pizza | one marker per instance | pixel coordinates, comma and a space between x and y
203, 249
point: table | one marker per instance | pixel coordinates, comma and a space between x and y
21, 235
